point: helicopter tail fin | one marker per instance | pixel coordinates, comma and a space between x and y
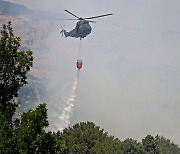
66, 34
63, 32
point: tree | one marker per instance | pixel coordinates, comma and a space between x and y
14, 66
7, 140
166, 146
131, 146
85, 137
29, 135
32, 137
151, 145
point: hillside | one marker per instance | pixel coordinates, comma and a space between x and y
12, 9
33, 27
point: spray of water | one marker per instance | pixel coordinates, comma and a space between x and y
67, 111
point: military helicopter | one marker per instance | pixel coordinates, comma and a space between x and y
82, 28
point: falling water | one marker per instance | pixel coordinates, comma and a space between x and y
67, 111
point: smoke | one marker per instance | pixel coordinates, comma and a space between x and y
130, 80
63, 80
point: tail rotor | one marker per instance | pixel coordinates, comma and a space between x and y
62, 31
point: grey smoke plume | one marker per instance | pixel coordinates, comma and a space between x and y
62, 81
130, 80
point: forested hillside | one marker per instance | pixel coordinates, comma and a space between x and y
33, 27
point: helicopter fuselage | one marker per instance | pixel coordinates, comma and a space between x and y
83, 27
81, 30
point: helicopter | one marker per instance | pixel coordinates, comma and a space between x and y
82, 28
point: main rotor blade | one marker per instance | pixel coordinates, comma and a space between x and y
91, 21
71, 14
67, 19
99, 16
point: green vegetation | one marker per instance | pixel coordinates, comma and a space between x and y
27, 135
14, 66
86, 138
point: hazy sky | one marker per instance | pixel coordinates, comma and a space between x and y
130, 81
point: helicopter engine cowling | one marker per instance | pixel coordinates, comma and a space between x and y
84, 28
